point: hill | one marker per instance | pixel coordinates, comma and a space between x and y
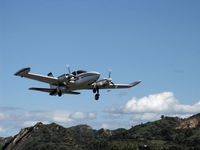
165, 134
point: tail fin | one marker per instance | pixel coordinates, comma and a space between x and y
50, 74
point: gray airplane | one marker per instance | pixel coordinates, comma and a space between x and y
69, 83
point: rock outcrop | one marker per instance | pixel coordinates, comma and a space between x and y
191, 122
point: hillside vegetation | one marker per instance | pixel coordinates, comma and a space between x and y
168, 133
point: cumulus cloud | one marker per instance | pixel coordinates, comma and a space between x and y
3, 116
114, 125
2, 130
146, 116
164, 102
91, 115
60, 116
78, 115
153, 103
105, 125
15, 120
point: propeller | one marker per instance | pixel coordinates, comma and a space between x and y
109, 78
109, 73
70, 75
68, 68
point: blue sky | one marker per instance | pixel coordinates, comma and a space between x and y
153, 41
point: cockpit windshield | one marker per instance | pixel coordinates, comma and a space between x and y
78, 72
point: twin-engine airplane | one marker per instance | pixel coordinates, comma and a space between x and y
77, 80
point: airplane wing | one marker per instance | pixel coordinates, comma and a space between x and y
52, 90
47, 79
118, 86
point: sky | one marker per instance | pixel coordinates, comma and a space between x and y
155, 41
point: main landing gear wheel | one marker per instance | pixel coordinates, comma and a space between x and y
97, 96
96, 90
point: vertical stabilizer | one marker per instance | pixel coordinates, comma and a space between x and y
50, 74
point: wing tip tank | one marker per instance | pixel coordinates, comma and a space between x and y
23, 71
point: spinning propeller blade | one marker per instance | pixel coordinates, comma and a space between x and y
109, 78
68, 68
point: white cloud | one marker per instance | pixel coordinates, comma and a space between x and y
162, 102
91, 115
21, 118
195, 108
156, 103
146, 116
81, 115
78, 115
110, 124
60, 116
2, 130
116, 115
105, 126
3, 116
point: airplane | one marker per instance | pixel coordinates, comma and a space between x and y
69, 83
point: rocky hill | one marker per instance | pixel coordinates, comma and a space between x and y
165, 134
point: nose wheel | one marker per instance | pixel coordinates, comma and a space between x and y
94, 90
97, 93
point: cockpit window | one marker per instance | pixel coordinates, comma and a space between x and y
78, 72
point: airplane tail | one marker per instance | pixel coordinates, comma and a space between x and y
50, 74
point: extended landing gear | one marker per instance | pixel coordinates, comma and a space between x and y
59, 93
56, 91
94, 90
96, 95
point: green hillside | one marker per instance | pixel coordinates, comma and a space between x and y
168, 133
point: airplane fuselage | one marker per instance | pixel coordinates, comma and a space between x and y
83, 80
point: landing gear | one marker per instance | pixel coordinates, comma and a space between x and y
59, 93
96, 95
94, 90
53, 92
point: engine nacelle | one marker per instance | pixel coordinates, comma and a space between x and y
102, 82
64, 78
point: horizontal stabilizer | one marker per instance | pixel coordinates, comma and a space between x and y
23, 72
49, 90
71, 92
42, 89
